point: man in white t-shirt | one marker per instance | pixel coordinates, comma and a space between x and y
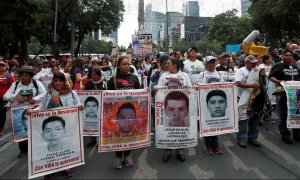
193, 66
248, 128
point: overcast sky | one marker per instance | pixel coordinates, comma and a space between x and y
208, 8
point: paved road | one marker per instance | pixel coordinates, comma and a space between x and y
274, 160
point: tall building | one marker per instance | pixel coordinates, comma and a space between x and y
153, 22
171, 20
245, 4
191, 8
194, 28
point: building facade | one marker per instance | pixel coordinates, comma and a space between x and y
245, 4
191, 8
153, 23
195, 28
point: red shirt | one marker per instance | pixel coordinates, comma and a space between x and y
4, 84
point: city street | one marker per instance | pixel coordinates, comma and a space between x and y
274, 160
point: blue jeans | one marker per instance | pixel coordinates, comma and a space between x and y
248, 129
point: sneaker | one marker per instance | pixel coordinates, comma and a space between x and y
217, 149
255, 143
242, 143
1, 132
128, 161
209, 149
68, 173
118, 163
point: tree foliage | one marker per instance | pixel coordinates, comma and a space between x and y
279, 19
90, 45
22, 19
227, 28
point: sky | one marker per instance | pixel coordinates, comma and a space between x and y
208, 8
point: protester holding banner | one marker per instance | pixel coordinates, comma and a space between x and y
123, 80
60, 94
284, 71
215, 101
25, 90
6, 80
248, 127
96, 83
193, 66
174, 78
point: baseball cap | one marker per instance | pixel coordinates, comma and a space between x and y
251, 58
210, 58
224, 54
3, 63
192, 49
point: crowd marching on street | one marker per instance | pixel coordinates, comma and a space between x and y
48, 84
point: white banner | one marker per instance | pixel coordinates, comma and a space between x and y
125, 121
176, 117
91, 114
292, 89
218, 109
55, 141
19, 121
246, 93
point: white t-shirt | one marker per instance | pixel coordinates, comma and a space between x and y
180, 79
242, 75
45, 76
193, 68
210, 77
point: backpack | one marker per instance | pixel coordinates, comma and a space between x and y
34, 84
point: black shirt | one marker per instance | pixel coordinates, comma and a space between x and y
128, 81
222, 68
284, 72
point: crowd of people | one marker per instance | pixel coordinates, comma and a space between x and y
54, 83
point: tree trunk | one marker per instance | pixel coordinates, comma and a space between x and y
80, 39
24, 49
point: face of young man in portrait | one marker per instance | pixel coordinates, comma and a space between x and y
177, 111
53, 132
217, 106
91, 109
126, 120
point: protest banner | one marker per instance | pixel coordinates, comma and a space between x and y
292, 89
19, 121
125, 122
228, 76
246, 93
91, 114
176, 117
55, 141
218, 109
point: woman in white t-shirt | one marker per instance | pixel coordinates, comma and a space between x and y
210, 75
174, 78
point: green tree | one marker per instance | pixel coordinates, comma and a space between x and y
206, 46
279, 19
227, 28
96, 14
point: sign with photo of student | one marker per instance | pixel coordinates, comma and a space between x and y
292, 89
55, 141
19, 121
218, 109
176, 117
91, 113
125, 122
